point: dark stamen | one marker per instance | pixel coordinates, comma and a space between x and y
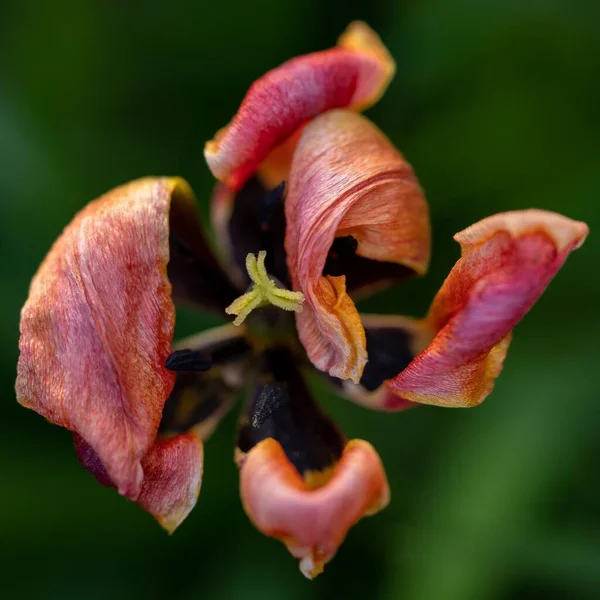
284, 409
268, 204
188, 360
271, 397
341, 251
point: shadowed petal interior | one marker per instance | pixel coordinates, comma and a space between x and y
193, 270
392, 343
247, 222
281, 406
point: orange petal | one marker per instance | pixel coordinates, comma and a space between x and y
172, 476
347, 179
354, 75
507, 262
311, 522
97, 327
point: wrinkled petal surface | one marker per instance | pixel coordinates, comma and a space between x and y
98, 324
347, 179
354, 75
311, 522
172, 476
507, 261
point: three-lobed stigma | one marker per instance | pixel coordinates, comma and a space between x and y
264, 291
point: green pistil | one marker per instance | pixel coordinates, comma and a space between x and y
264, 291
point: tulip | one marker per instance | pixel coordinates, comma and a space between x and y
314, 208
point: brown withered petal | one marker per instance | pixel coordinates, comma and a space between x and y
98, 324
172, 476
312, 523
347, 179
507, 261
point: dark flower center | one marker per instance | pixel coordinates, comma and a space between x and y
341, 253
282, 408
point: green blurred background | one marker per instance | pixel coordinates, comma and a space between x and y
496, 106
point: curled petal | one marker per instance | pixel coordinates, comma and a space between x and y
301, 482
311, 522
97, 327
348, 180
507, 261
353, 75
222, 204
172, 476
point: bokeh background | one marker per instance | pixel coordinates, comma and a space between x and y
496, 105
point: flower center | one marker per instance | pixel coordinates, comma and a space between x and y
340, 254
263, 292
283, 408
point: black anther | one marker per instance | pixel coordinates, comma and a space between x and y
188, 360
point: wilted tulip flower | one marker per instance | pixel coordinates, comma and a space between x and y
351, 218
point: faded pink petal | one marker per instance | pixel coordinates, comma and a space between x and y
98, 324
507, 262
347, 179
354, 75
311, 522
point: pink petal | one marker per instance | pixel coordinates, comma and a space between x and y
507, 262
354, 75
311, 522
347, 179
98, 324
